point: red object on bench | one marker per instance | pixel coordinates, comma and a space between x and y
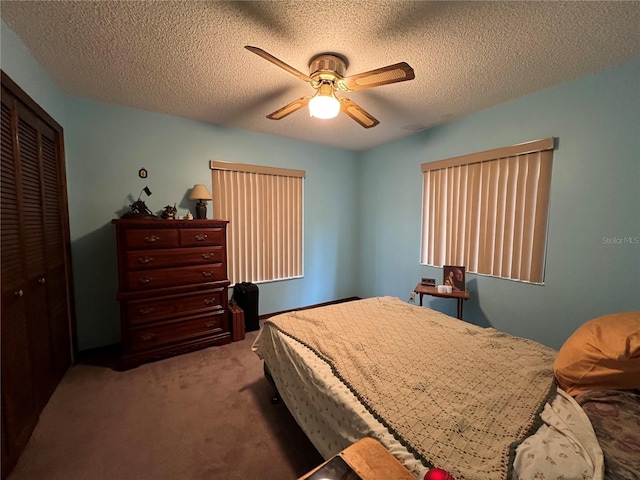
438, 474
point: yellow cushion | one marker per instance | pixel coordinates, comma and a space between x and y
602, 354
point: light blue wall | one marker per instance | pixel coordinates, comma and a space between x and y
362, 211
595, 193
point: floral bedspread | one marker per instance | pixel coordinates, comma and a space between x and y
615, 416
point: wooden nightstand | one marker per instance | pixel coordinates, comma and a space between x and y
423, 290
370, 460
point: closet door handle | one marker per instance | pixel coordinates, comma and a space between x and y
19, 293
42, 280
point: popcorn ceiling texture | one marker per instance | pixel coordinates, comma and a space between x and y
187, 58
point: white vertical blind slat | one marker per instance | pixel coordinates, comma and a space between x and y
530, 198
518, 237
474, 218
542, 215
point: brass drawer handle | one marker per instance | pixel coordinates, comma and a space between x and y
201, 237
146, 310
209, 301
144, 280
144, 260
147, 337
207, 274
207, 255
210, 324
151, 238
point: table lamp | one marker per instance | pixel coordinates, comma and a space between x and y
200, 193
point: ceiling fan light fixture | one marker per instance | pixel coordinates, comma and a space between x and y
327, 74
324, 104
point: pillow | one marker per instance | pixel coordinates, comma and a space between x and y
602, 354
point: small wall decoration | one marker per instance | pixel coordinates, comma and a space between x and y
454, 277
142, 173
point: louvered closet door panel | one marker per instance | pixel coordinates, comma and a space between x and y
51, 181
5, 450
54, 254
18, 402
29, 141
29, 161
12, 267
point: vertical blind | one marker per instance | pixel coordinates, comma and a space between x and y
488, 211
264, 209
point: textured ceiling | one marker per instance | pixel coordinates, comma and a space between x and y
188, 58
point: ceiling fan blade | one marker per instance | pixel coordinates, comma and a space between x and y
278, 62
289, 109
356, 112
398, 72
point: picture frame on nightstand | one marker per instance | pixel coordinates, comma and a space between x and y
454, 276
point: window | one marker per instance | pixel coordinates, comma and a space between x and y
488, 211
264, 209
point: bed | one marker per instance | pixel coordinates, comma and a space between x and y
435, 391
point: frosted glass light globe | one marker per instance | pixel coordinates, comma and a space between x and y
325, 107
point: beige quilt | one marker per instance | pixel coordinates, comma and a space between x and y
458, 396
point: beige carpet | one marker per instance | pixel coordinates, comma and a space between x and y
203, 415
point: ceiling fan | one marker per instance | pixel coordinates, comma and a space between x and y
326, 75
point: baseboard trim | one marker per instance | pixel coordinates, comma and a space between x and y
333, 302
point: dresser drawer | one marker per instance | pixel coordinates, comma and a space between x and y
175, 257
193, 237
171, 277
192, 327
145, 311
151, 238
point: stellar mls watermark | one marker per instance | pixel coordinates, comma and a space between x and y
621, 240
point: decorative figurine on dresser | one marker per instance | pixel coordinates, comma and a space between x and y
173, 287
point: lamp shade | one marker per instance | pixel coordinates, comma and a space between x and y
200, 192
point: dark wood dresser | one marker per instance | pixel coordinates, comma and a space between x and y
173, 287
